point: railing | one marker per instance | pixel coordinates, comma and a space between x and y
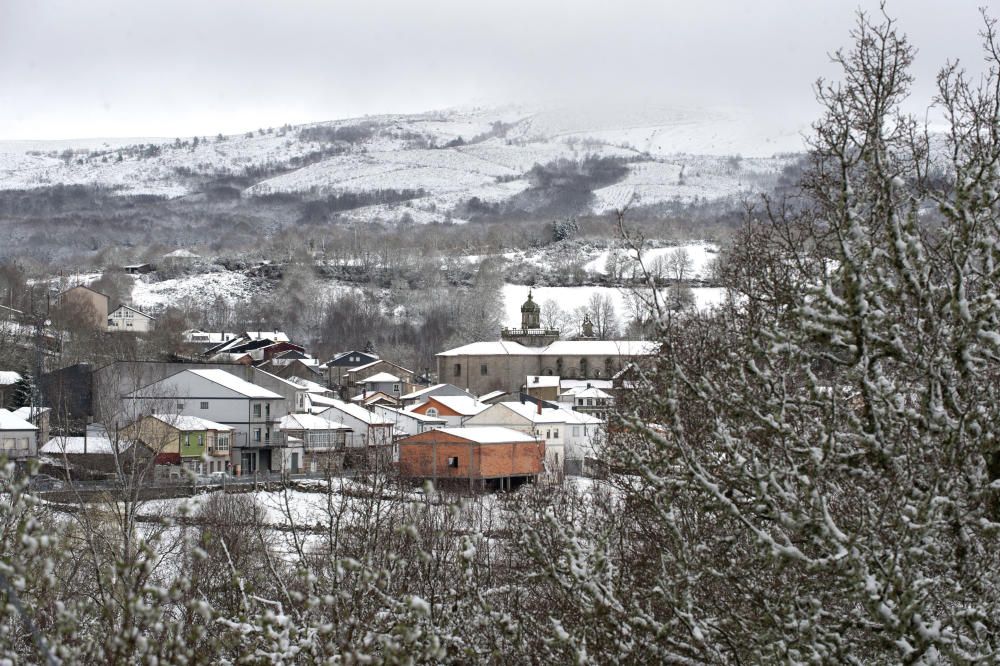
530, 331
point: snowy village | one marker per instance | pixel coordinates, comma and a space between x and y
468, 333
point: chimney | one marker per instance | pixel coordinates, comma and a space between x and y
539, 403
536, 379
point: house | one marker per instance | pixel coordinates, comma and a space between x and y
370, 400
421, 394
251, 410
355, 377
338, 366
203, 339
482, 367
382, 382
38, 417
367, 429
18, 438
589, 399
311, 387
130, 320
581, 438
456, 410
543, 387
295, 368
409, 423
544, 423
83, 307
138, 269
192, 442
8, 386
322, 442
486, 457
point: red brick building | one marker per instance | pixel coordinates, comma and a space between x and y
484, 457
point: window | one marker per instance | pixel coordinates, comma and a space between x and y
203, 405
267, 436
579, 401
201, 439
458, 369
432, 412
590, 402
256, 411
548, 434
222, 443
576, 431
180, 406
453, 462
267, 410
555, 433
256, 434
483, 370
395, 388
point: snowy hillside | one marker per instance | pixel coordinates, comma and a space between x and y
438, 161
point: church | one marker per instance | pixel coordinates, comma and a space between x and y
481, 367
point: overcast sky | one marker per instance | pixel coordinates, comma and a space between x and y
102, 68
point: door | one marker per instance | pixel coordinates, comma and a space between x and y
295, 463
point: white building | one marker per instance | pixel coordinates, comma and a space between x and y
367, 428
17, 437
125, 319
454, 409
252, 411
584, 432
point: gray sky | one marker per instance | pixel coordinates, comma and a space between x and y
103, 68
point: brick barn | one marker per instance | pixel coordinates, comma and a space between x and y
485, 457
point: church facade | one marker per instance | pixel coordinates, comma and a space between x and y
482, 367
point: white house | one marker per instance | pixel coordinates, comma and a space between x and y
583, 433
17, 437
253, 412
382, 382
545, 423
313, 442
125, 319
409, 423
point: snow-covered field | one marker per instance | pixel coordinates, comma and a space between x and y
199, 291
569, 299
699, 254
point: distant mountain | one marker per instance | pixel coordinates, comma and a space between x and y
438, 165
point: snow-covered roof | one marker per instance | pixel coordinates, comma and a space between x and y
10, 421
570, 384
361, 368
375, 396
277, 336
419, 393
310, 387
392, 413
498, 348
487, 434
380, 378
191, 423
77, 445
491, 395
579, 418
584, 392
609, 348
234, 383
25, 412
322, 400
356, 411
529, 411
211, 337
308, 422
8, 377
542, 381
181, 254
460, 404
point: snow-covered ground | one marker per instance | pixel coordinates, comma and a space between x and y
199, 291
679, 154
569, 299
700, 256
